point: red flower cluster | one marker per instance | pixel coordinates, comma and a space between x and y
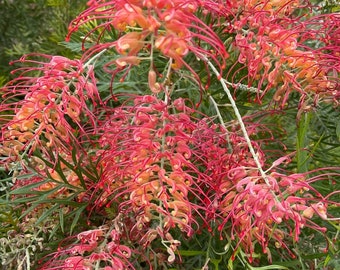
275, 48
257, 209
169, 27
174, 171
51, 108
104, 248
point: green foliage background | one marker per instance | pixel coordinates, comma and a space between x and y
33, 26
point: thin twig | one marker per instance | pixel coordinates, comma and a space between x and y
221, 120
244, 87
239, 119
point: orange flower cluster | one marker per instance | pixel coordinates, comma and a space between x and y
104, 248
51, 105
257, 209
275, 50
296, 69
166, 21
147, 171
169, 27
173, 171
46, 120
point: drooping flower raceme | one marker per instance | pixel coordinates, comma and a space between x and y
94, 247
47, 115
257, 210
52, 107
165, 168
276, 47
169, 27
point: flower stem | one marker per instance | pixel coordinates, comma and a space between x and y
244, 87
239, 119
94, 58
221, 120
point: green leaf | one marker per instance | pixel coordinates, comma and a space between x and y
302, 143
28, 189
75, 169
268, 267
230, 264
61, 220
75, 46
60, 201
78, 212
46, 214
25, 200
19, 177
216, 262
189, 253
337, 130
28, 210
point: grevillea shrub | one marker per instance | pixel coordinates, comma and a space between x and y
183, 138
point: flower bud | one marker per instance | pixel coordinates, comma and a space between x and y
154, 86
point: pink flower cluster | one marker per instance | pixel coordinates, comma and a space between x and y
175, 171
50, 105
95, 247
146, 27
276, 52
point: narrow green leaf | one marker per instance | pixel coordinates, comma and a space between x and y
302, 143
61, 220
268, 267
337, 130
75, 169
189, 253
68, 201
216, 262
38, 154
230, 264
19, 177
54, 231
78, 212
289, 264
47, 214
28, 189
60, 171
29, 210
